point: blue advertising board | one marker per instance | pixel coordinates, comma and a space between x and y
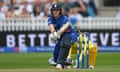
38, 41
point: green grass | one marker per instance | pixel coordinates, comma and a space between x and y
24, 60
38, 62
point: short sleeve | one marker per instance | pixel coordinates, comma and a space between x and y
50, 21
65, 19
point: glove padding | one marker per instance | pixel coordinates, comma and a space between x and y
54, 36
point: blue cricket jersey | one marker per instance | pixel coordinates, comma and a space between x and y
60, 22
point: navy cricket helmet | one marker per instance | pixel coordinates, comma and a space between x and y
56, 7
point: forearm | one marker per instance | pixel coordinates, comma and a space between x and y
83, 7
52, 29
55, 35
63, 28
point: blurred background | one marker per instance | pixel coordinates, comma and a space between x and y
23, 23
24, 29
40, 8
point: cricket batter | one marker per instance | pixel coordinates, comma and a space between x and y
62, 33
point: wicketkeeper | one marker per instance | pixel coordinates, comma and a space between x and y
93, 49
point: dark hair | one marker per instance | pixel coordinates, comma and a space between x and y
34, 10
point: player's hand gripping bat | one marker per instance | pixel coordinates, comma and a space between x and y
56, 35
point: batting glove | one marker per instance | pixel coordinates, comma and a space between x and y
54, 36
